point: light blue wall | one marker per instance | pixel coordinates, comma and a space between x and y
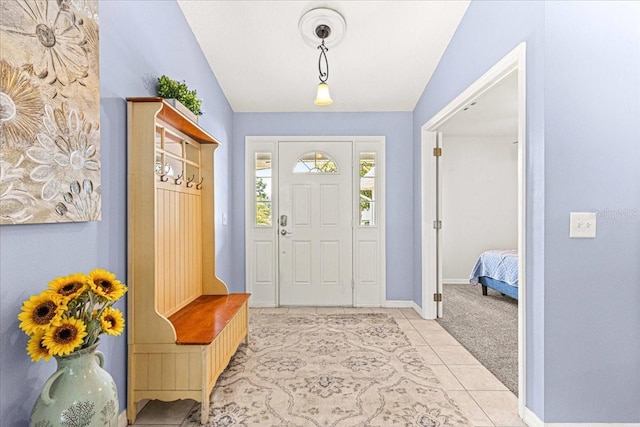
583, 133
139, 40
592, 163
396, 127
583, 153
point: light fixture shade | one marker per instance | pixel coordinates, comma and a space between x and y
323, 97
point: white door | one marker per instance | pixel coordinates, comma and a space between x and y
315, 223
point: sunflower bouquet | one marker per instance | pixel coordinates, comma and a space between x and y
72, 313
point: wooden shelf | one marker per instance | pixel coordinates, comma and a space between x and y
174, 118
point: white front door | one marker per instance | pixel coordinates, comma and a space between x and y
315, 223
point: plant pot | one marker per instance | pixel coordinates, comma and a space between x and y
182, 109
79, 393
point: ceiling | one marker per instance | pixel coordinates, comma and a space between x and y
494, 113
383, 63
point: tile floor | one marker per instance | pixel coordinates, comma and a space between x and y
484, 399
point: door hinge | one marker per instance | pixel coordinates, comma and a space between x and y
437, 297
437, 152
437, 224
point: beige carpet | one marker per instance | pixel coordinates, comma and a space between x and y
328, 370
487, 326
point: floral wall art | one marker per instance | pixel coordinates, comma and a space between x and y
49, 111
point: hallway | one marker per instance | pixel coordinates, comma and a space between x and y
483, 399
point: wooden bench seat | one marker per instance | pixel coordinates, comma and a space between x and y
201, 321
207, 334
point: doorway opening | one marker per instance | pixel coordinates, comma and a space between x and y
434, 144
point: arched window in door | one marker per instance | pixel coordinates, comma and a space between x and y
316, 162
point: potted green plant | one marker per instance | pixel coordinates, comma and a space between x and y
179, 91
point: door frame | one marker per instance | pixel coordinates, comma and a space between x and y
369, 284
514, 61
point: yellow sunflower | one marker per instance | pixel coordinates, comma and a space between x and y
65, 336
112, 321
36, 349
40, 311
70, 287
105, 284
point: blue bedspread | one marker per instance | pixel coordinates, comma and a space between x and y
500, 265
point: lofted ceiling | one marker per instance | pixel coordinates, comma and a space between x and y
388, 54
494, 113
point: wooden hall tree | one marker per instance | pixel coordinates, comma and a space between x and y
183, 324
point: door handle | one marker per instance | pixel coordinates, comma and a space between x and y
284, 232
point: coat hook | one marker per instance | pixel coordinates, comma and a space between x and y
199, 185
190, 181
178, 178
164, 178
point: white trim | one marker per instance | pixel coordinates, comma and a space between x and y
428, 234
416, 308
261, 305
514, 61
403, 304
455, 281
399, 304
532, 420
122, 419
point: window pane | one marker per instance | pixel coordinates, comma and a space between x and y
315, 163
263, 189
367, 189
263, 214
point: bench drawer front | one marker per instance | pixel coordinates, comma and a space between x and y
164, 370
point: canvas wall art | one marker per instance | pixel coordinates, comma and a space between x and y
49, 111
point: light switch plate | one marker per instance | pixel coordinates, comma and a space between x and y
582, 225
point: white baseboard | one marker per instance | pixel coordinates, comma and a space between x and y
417, 308
532, 420
261, 305
456, 281
122, 419
398, 304
403, 304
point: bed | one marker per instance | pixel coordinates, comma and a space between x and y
497, 270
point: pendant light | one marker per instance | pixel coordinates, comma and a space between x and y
327, 27
323, 97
